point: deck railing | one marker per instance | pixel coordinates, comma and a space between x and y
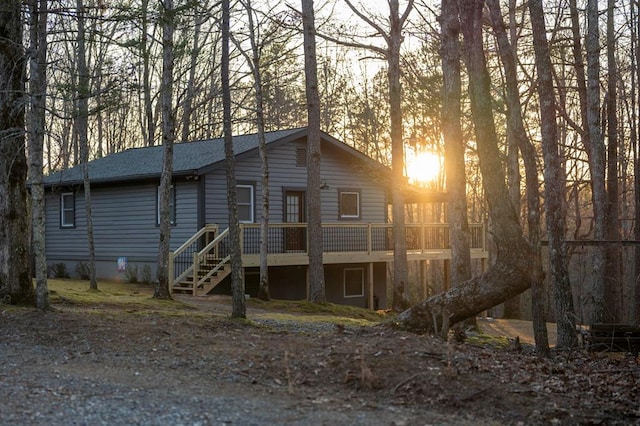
350, 237
207, 252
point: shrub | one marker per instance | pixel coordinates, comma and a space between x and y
131, 274
146, 277
82, 269
58, 270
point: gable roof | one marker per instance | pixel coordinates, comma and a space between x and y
189, 158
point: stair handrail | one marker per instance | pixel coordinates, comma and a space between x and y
197, 259
195, 237
193, 240
215, 269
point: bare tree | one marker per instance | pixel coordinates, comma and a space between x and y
519, 134
597, 162
459, 233
555, 187
15, 279
314, 218
393, 39
613, 267
239, 309
82, 131
168, 136
254, 64
37, 92
511, 273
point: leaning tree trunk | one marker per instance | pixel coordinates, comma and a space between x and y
239, 309
15, 277
555, 187
511, 273
37, 93
516, 123
314, 237
168, 136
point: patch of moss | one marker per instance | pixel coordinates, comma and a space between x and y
481, 339
324, 309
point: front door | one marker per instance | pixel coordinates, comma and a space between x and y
294, 213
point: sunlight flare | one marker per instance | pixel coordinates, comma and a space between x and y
423, 167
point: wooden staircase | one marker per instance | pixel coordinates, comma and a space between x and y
209, 266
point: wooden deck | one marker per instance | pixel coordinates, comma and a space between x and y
202, 262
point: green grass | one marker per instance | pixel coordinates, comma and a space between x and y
109, 294
137, 298
321, 310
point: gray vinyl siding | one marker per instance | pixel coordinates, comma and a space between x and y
336, 170
125, 223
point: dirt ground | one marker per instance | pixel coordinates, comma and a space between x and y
156, 364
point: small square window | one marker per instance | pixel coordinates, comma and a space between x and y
67, 210
353, 282
172, 206
245, 203
349, 204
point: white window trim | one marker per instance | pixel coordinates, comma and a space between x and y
64, 208
172, 205
344, 282
350, 216
251, 203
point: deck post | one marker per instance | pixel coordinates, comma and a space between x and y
423, 279
307, 284
171, 272
446, 274
370, 280
196, 272
369, 239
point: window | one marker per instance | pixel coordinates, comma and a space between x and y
245, 203
67, 210
353, 282
172, 206
349, 204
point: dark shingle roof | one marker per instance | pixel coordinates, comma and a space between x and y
141, 163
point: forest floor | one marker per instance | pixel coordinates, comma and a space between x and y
119, 357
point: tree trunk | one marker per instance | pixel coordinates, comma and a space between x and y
149, 130
254, 61
613, 269
635, 10
454, 148
162, 290
15, 278
511, 273
400, 263
596, 291
37, 92
516, 123
314, 217
187, 106
239, 309
555, 187
82, 130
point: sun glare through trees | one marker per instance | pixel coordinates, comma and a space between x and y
424, 167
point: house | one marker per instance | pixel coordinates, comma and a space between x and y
124, 191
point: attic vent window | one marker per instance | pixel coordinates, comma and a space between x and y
301, 157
